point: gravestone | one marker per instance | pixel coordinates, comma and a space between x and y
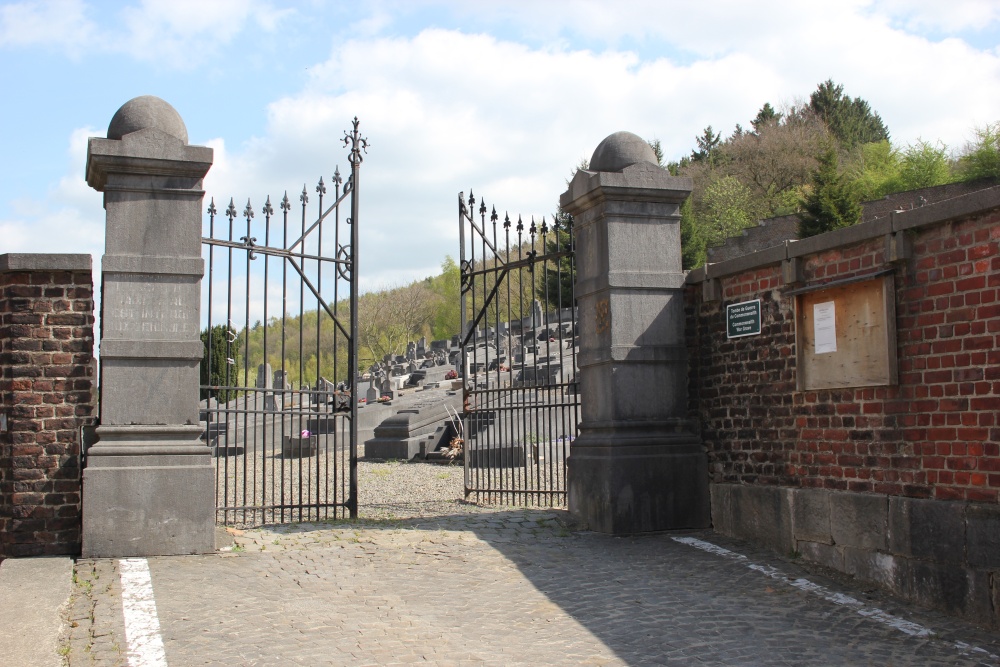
149, 482
265, 381
372, 395
411, 351
422, 347
637, 465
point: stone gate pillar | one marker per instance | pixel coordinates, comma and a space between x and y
636, 466
148, 485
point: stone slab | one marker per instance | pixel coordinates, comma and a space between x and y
32, 591
811, 515
926, 529
983, 535
149, 510
861, 520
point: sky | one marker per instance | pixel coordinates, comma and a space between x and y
504, 98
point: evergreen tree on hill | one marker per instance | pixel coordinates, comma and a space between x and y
851, 120
831, 202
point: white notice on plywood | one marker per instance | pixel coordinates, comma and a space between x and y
825, 333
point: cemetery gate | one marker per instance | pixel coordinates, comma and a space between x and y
519, 355
280, 368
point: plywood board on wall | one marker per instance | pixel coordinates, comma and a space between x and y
860, 348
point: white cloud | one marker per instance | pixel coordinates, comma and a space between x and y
60, 24
171, 33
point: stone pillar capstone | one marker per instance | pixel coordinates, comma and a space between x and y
637, 466
148, 487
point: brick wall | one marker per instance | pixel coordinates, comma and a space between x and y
934, 435
47, 393
899, 484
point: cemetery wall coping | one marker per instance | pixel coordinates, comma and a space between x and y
15, 261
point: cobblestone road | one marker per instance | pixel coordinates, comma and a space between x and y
515, 587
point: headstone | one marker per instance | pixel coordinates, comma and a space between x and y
149, 482
265, 380
537, 316
422, 346
411, 351
371, 396
281, 380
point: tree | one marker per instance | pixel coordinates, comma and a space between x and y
390, 318
981, 158
707, 144
766, 117
220, 364
851, 120
446, 318
693, 246
729, 207
657, 150
875, 171
556, 289
923, 165
831, 203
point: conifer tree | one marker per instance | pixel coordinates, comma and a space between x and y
831, 202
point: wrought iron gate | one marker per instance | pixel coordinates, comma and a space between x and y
519, 349
280, 368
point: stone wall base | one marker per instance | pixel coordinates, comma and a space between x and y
638, 489
149, 506
938, 553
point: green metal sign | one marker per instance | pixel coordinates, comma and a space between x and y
743, 319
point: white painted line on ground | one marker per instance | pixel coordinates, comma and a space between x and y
874, 613
142, 627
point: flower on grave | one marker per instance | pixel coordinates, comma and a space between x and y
305, 433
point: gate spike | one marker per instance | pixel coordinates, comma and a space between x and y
248, 211
321, 188
337, 180
268, 210
545, 227
482, 211
520, 225
285, 204
304, 197
211, 208
532, 229
506, 218
472, 200
231, 211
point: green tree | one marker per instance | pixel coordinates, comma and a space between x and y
851, 120
220, 365
923, 165
707, 146
693, 246
766, 117
729, 207
831, 202
981, 158
446, 320
875, 171
555, 290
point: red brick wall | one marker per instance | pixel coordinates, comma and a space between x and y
934, 435
47, 383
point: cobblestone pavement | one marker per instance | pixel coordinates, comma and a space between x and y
474, 586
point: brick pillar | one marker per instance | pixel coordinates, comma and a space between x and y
46, 388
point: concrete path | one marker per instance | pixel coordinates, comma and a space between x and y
516, 587
32, 594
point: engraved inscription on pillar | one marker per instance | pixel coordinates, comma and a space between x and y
142, 306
